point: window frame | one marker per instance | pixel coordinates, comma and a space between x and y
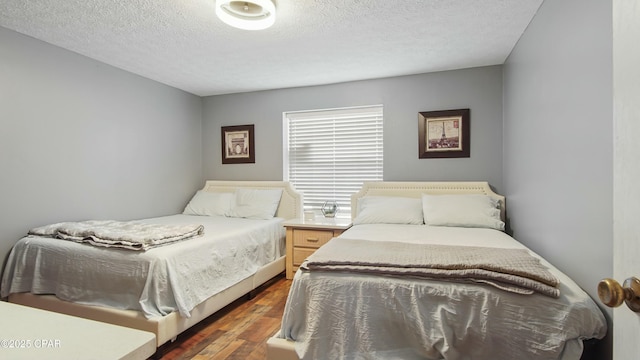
341, 187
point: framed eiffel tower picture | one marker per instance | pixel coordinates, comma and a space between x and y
444, 134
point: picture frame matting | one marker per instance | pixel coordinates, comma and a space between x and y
238, 145
444, 134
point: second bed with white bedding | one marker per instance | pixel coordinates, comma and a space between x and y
161, 280
341, 315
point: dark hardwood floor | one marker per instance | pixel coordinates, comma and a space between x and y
238, 331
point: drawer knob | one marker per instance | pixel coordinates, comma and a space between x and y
313, 239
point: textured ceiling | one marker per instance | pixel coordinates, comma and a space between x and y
181, 43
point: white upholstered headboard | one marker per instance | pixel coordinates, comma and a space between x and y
416, 189
290, 204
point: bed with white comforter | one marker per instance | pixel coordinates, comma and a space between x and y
352, 313
156, 282
407, 318
162, 274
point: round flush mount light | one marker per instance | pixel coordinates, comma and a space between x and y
247, 15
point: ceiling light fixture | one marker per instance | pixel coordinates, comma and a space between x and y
247, 15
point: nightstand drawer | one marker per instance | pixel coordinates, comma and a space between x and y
299, 254
311, 238
305, 237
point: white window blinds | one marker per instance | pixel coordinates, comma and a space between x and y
329, 153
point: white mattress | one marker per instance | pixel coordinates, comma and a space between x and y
175, 277
341, 315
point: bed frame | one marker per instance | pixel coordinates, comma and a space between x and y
283, 349
168, 327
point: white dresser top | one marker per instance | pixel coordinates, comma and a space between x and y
29, 333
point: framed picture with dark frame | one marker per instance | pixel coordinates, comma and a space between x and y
444, 134
238, 145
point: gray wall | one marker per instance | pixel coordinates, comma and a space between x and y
558, 142
479, 89
80, 139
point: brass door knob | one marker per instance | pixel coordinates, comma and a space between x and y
612, 294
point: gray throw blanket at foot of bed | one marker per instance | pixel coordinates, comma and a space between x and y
131, 235
514, 270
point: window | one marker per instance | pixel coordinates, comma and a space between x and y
328, 154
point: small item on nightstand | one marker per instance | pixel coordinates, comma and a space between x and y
329, 209
309, 216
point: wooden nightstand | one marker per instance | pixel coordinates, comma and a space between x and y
304, 237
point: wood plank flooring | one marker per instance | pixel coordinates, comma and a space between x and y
238, 331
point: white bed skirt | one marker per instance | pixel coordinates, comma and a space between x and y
165, 328
281, 349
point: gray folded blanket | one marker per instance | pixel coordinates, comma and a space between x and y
514, 270
131, 235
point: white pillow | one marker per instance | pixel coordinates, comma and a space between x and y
389, 210
209, 204
255, 203
463, 210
